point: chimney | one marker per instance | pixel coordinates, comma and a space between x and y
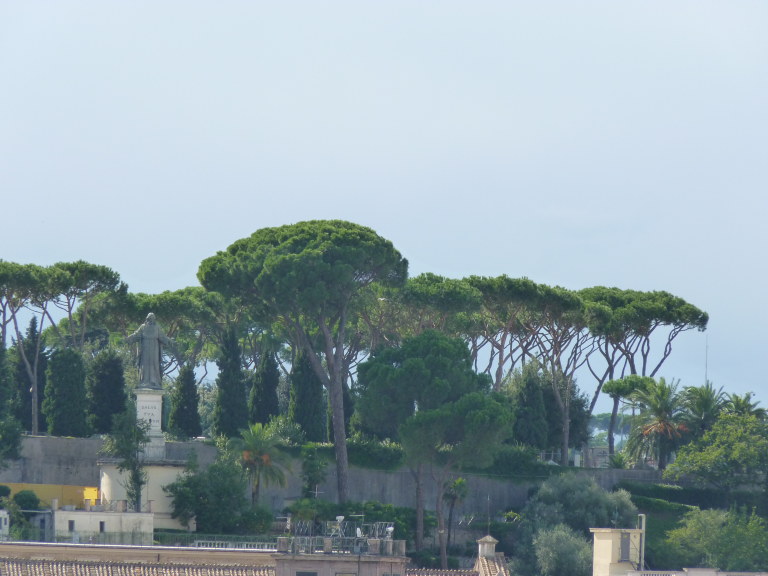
487, 547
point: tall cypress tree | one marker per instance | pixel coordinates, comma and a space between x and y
184, 418
10, 430
307, 405
230, 414
262, 400
7, 388
105, 389
530, 426
64, 405
24, 392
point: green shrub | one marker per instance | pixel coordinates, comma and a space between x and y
5, 491
701, 497
518, 461
657, 505
617, 461
704, 498
27, 500
379, 455
561, 551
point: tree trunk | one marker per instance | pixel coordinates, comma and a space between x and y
418, 475
333, 379
339, 439
612, 425
441, 525
566, 437
255, 481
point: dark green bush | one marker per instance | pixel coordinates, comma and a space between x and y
516, 461
5, 491
704, 498
701, 497
646, 504
368, 453
27, 500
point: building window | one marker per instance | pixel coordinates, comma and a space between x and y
306, 573
102, 526
71, 525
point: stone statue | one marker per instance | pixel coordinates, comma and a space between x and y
151, 338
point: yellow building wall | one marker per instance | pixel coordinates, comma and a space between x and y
66, 495
153, 498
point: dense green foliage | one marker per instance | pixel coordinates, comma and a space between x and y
307, 276
30, 364
27, 500
261, 456
184, 419
10, 429
658, 428
727, 540
262, 397
313, 470
567, 500
64, 403
577, 500
306, 405
425, 373
526, 392
10, 440
733, 452
332, 294
126, 443
105, 390
215, 499
562, 551
230, 414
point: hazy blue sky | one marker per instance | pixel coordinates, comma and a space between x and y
575, 143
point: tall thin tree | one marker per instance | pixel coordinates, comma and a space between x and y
105, 388
65, 404
184, 418
230, 414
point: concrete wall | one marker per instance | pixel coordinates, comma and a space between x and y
88, 525
72, 461
49, 460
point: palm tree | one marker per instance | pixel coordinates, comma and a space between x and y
657, 429
743, 406
261, 458
618, 390
453, 493
702, 406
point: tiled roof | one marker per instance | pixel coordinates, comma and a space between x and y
439, 572
19, 567
496, 566
23, 567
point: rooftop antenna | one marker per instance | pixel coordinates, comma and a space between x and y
488, 503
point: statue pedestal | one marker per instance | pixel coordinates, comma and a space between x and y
149, 407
